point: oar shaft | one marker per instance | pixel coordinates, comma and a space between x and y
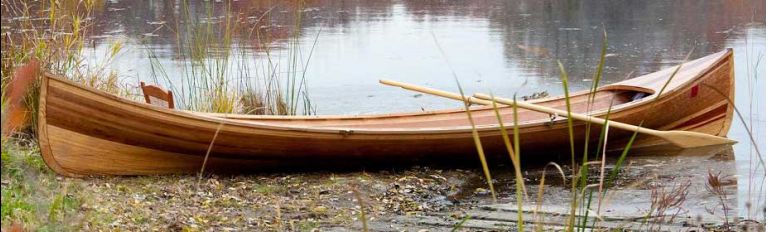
436, 92
564, 113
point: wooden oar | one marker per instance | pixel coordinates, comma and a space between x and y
683, 139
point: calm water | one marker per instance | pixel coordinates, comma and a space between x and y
504, 47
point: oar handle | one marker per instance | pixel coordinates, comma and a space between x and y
564, 113
435, 92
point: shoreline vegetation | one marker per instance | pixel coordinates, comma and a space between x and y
57, 32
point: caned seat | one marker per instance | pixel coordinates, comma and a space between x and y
157, 96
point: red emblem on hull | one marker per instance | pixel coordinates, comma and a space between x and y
694, 91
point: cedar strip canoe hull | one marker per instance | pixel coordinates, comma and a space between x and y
83, 131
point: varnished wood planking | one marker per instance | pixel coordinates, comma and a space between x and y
110, 130
93, 155
42, 133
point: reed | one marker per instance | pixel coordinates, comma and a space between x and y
570, 224
514, 155
583, 170
715, 185
602, 141
540, 194
591, 98
666, 200
284, 72
581, 191
205, 47
604, 186
55, 34
752, 77
475, 135
207, 154
478, 143
218, 72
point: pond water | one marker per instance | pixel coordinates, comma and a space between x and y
499, 46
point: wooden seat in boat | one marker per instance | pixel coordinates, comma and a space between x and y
155, 95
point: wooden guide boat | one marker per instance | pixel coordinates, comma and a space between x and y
84, 131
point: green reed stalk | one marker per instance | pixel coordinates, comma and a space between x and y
475, 134
743, 122
583, 173
514, 155
603, 141
591, 99
520, 185
620, 162
669, 80
615, 172
585, 218
540, 193
478, 143
572, 217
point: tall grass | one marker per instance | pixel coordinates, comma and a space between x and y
475, 134
55, 33
755, 148
204, 47
581, 191
753, 74
218, 69
582, 169
283, 73
574, 194
478, 142
514, 155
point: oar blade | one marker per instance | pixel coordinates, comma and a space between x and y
690, 139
